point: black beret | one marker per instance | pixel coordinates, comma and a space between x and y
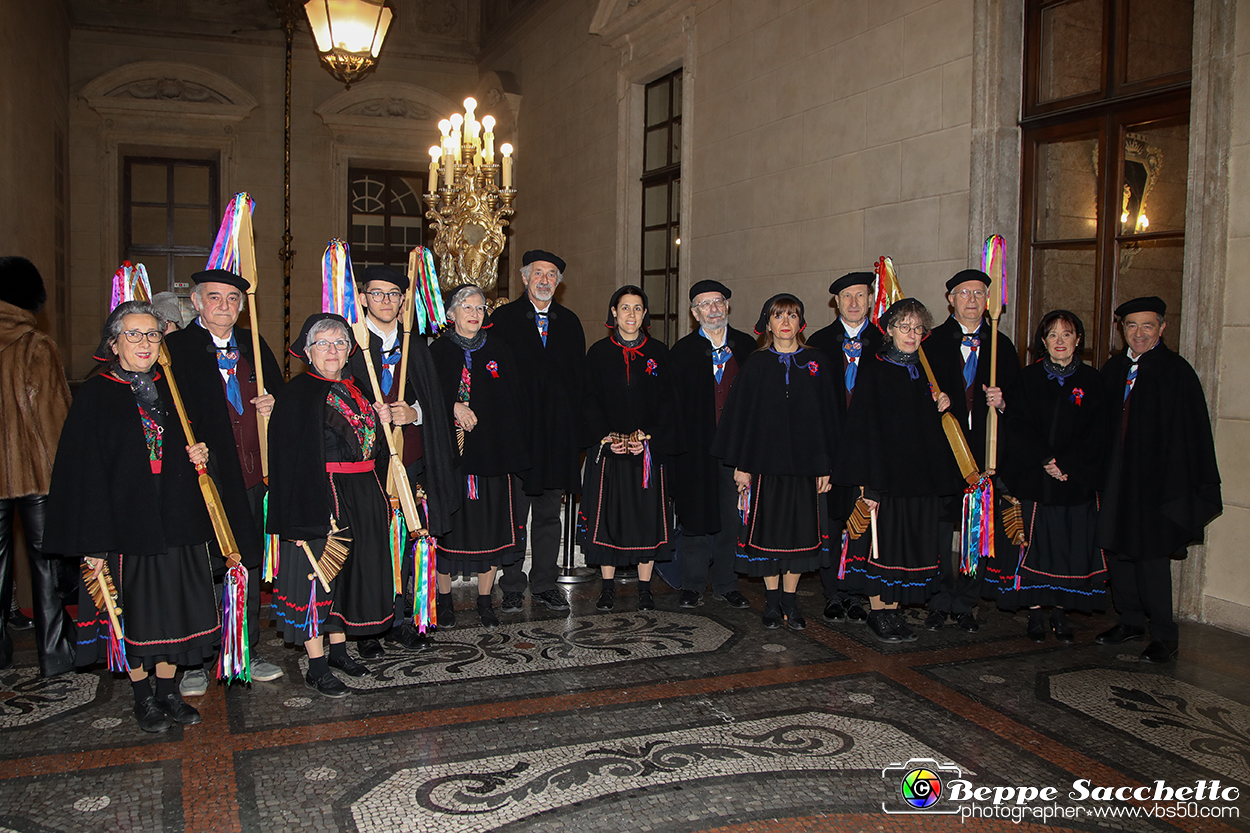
1150, 303
630, 289
220, 276
382, 272
965, 276
709, 286
761, 326
21, 284
297, 346
538, 254
851, 279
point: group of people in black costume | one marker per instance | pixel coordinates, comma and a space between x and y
744, 454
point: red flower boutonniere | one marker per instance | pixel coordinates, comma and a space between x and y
652, 367
1077, 395
813, 368
493, 367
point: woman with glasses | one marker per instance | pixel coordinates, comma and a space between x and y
324, 440
630, 432
779, 432
125, 495
893, 447
482, 383
1052, 459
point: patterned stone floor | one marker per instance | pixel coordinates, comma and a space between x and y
668, 720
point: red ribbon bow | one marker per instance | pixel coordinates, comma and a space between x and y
493, 367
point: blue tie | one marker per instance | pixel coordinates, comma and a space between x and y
853, 349
1132, 379
541, 318
388, 375
720, 358
970, 366
228, 360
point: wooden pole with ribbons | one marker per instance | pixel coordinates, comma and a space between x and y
247, 267
405, 322
994, 264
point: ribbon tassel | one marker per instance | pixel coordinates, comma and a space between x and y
234, 661
977, 526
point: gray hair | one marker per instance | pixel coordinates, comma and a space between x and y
325, 325
115, 326
466, 291
910, 308
525, 273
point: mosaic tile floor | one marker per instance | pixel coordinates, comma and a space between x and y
669, 720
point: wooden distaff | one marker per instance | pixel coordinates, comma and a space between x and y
995, 266
406, 322
100, 586
208, 489
247, 264
954, 434
397, 471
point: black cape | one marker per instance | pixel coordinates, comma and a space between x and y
1047, 420
1163, 484
435, 469
943, 349
194, 358
555, 377
498, 398
625, 400
695, 472
103, 496
893, 442
769, 427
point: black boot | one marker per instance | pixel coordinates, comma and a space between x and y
645, 600
1063, 630
790, 607
1037, 625
445, 611
486, 611
772, 608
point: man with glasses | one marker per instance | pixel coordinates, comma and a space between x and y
550, 345
852, 338
706, 362
214, 366
427, 454
959, 351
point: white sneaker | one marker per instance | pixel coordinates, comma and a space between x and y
194, 683
264, 672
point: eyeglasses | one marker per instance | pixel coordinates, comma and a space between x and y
152, 336
965, 294
909, 328
380, 295
480, 309
712, 303
338, 346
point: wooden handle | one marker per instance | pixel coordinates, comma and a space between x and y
104, 578
991, 432
247, 265
312, 559
954, 433
872, 515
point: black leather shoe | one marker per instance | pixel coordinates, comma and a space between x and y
1160, 651
688, 599
772, 620
369, 649
327, 685
1119, 634
553, 599
1063, 630
607, 599
512, 603
1037, 625
407, 637
735, 599
150, 716
19, 621
935, 620
348, 666
178, 711
899, 625
795, 620
486, 612
856, 614
646, 601
445, 611
967, 622
881, 624
835, 611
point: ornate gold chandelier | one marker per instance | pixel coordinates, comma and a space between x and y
470, 200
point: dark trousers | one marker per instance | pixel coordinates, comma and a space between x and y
1141, 591
711, 557
955, 593
543, 512
256, 501
54, 584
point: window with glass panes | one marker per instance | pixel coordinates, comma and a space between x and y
385, 216
1106, 148
661, 217
170, 214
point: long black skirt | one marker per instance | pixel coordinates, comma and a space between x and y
785, 527
910, 552
168, 607
361, 599
487, 531
1060, 565
620, 523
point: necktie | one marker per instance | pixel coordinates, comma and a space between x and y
720, 358
388, 374
970, 366
541, 319
228, 360
1130, 381
853, 349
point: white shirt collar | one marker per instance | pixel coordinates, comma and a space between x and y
546, 309
220, 342
853, 333
724, 336
388, 339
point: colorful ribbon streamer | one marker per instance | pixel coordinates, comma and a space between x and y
234, 661
225, 252
429, 314
338, 293
977, 526
130, 283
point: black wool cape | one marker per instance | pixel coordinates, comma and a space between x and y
625, 400
194, 358
103, 496
1163, 484
769, 427
828, 340
695, 471
556, 379
299, 491
435, 469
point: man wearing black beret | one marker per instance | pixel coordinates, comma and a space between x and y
215, 368
1163, 484
550, 345
854, 339
959, 351
706, 362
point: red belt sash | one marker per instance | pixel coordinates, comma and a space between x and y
350, 468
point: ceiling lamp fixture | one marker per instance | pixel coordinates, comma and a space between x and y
349, 35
